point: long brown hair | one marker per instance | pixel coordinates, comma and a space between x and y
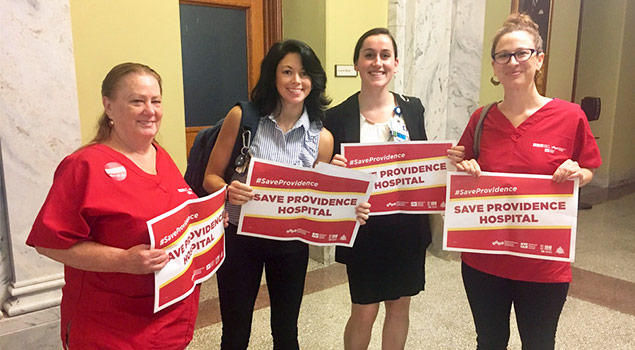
109, 87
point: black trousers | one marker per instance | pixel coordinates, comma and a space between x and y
537, 306
239, 277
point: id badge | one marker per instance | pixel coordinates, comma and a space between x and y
398, 129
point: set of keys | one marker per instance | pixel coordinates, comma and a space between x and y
242, 161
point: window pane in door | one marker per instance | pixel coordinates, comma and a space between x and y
214, 54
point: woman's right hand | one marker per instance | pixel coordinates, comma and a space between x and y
469, 166
93, 256
239, 193
225, 218
339, 160
141, 260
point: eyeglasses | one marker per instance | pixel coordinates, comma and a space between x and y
521, 55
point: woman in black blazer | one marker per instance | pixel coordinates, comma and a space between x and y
387, 260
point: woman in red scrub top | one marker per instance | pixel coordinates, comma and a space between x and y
94, 222
532, 134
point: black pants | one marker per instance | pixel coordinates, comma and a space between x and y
537, 306
239, 278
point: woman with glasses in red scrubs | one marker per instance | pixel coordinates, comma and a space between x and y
531, 134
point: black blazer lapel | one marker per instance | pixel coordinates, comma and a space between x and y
412, 112
351, 122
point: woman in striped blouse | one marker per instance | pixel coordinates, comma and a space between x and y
290, 101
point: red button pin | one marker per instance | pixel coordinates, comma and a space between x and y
116, 171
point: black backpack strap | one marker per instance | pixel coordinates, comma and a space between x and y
478, 131
250, 117
199, 156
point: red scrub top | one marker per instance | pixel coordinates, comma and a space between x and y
99, 195
556, 132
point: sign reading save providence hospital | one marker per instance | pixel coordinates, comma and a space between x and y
193, 236
411, 175
316, 205
515, 214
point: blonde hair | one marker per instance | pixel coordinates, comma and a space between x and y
518, 22
109, 86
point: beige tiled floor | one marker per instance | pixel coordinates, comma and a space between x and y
440, 316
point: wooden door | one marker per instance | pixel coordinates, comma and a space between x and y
263, 27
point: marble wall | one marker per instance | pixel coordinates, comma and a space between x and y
439, 43
39, 124
6, 274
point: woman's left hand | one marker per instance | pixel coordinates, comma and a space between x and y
456, 154
362, 211
339, 160
569, 170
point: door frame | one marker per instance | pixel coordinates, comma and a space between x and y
262, 16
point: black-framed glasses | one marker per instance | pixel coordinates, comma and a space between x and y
521, 55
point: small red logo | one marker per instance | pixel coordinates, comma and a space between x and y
116, 171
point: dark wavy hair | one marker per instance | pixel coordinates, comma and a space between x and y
109, 86
265, 94
374, 31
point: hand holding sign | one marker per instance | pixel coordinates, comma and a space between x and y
140, 259
189, 241
239, 193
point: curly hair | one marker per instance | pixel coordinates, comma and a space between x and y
518, 22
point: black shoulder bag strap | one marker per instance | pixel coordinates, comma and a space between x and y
478, 131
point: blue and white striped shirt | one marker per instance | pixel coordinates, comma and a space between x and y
297, 147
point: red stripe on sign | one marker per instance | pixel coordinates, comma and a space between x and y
547, 242
416, 200
310, 230
278, 176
